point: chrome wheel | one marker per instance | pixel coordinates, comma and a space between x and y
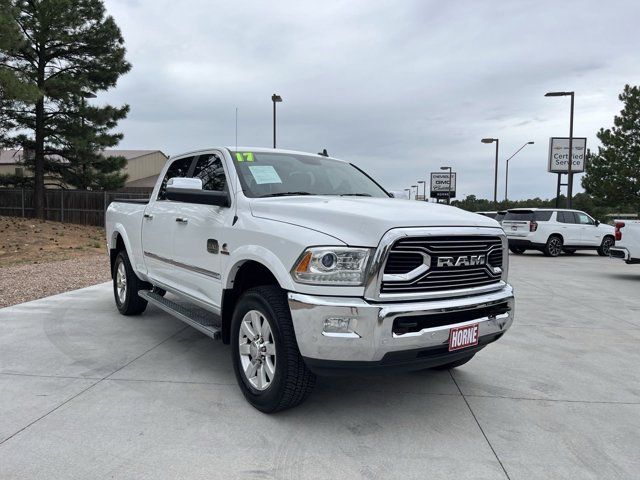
555, 246
257, 350
121, 283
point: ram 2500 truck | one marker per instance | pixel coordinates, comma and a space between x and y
305, 265
627, 245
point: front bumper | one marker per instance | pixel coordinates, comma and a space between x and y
372, 342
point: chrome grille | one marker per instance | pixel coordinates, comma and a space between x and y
403, 272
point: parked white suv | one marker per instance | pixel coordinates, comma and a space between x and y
553, 231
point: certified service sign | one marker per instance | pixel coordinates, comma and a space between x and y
559, 154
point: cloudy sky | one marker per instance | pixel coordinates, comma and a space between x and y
398, 87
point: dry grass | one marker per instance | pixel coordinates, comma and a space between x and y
25, 240
38, 259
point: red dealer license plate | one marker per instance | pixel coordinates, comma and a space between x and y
463, 337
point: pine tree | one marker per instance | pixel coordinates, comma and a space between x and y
613, 174
66, 49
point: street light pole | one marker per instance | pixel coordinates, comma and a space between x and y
570, 164
275, 99
424, 189
495, 180
506, 177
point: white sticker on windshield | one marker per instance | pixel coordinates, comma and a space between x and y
264, 174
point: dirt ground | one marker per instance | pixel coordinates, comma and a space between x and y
39, 259
26, 240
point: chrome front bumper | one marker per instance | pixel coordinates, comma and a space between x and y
372, 338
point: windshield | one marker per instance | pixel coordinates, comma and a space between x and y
266, 174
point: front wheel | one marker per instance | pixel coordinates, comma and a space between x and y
605, 246
126, 286
267, 362
553, 247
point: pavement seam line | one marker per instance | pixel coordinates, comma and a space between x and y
89, 387
495, 454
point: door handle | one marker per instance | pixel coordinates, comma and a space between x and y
182, 220
148, 215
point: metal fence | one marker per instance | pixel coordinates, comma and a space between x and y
71, 206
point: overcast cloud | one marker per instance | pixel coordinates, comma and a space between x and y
400, 88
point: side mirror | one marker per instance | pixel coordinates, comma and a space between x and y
597, 222
189, 190
185, 183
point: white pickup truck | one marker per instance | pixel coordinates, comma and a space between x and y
305, 265
627, 245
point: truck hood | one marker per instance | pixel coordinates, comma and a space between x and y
362, 221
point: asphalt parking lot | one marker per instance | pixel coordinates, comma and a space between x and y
87, 393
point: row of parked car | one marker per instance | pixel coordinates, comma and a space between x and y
556, 231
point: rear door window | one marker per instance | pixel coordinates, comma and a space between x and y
178, 169
566, 217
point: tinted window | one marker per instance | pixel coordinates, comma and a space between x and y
519, 215
566, 217
584, 219
209, 170
179, 168
543, 216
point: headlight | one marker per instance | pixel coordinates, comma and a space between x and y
332, 266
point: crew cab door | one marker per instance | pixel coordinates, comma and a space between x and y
200, 235
158, 226
589, 233
569, 227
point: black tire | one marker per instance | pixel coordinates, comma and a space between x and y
517, 250
131, 303
605, 246
455, 364
569, 251
292, 381
553, 247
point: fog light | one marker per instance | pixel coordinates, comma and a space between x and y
339, 325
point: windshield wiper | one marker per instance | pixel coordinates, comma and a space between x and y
355, 195
284, 194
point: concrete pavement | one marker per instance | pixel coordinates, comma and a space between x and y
88, 393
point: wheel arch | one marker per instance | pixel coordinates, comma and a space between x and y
243, 275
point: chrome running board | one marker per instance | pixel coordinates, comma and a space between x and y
196, 319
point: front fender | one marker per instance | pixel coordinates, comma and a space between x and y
260, 255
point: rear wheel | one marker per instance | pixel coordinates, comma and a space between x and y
267, 362
455, 364
553, 247
126, 286
518, 250
605, 246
